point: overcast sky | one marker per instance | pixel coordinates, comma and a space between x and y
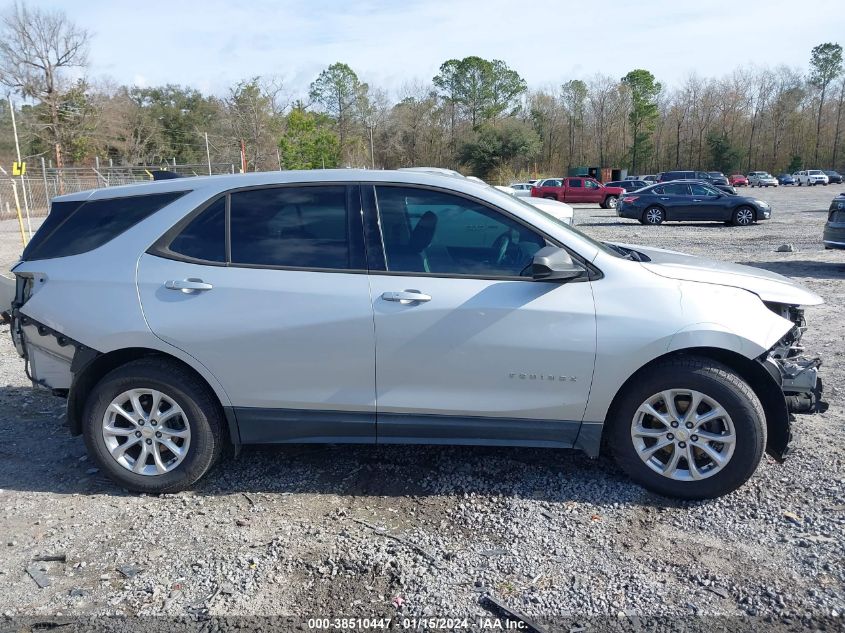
211, 44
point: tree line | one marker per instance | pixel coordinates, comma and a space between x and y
475, 115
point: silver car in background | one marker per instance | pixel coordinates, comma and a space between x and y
389, 307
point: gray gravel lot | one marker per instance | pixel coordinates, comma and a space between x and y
307, 530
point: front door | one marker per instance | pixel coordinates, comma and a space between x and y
468, 348
267, 288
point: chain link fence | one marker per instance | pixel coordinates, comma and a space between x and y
38, 187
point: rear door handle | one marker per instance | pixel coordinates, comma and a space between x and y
406, 297
187, 285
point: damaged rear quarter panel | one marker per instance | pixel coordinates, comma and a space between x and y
92, 299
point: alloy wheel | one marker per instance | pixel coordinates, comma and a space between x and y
683, 434
654, 216
744, 216
146, 432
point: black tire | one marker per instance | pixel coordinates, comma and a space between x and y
609, 202
204, 419
653, 216
714, 380
799, 183
740, 216
550, 197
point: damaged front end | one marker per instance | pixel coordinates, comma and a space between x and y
797, 375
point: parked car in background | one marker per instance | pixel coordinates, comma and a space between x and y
833, 176
718, 178
738, 180
650, 178
396, 307
627, 185
686, 200
761, 179
834, 229
811, 177
558, 210
578, 189
521, 189
666, 176
786, 179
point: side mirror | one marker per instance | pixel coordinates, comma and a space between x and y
554, 264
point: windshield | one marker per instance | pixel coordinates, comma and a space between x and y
602, 246
813, 172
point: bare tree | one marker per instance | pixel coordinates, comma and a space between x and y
36, 47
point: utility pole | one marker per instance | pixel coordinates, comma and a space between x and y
372, 152
208, 153
18, 150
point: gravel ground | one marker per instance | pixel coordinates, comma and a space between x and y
364, 531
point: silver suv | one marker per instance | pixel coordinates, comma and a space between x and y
346, 306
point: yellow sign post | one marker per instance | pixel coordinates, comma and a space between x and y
18, 168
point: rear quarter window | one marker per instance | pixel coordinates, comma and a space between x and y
73, 228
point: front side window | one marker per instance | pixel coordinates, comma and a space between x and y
701, 190
428, 231
589, 184
302, 227
676, 189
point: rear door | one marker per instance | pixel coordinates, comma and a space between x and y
268, 289
575, 191
677, 200
469, 349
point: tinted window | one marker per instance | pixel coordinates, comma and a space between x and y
589, 184
551, 183
432, 232
676, 189
575, 183
205, 236
305, 227
701, 190
658, 191
78, 228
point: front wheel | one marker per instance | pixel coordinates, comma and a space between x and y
609, 203
152, 426
689, 428
654, 216
743, 216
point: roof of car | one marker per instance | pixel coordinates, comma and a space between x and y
424, 176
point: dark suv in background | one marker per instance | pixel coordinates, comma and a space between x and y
666, 176
834, 230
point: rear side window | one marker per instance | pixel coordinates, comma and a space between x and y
205, 236
575, 183
302, 227
77, 227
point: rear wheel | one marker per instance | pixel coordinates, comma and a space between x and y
654, 216
743, 216
688, 428
152, 426
609, 203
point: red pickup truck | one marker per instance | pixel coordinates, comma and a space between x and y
578, 189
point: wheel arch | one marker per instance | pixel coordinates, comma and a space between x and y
764, 385
86, 378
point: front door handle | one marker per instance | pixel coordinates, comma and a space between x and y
665, 199
187, 286
406, 297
